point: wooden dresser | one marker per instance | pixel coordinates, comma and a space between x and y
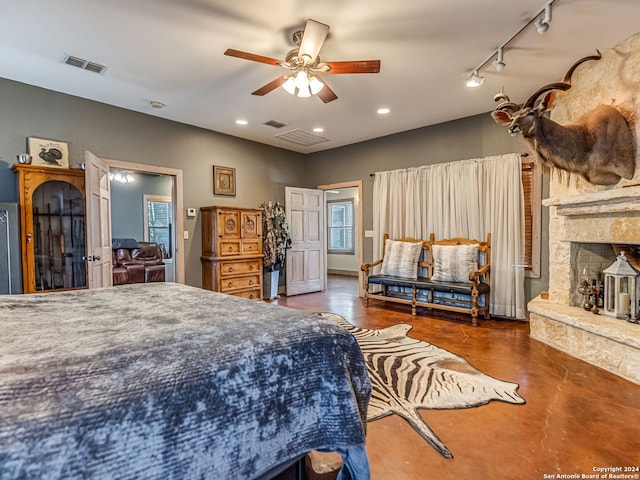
232, 250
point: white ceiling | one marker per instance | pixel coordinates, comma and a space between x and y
171, 51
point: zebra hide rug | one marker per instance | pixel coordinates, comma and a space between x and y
409, 374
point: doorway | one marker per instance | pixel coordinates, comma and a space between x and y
175, 241
344, 199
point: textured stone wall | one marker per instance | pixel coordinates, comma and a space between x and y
597, 214
613, 80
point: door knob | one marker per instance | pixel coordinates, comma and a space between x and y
96, 258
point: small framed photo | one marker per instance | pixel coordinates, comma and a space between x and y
224, 181
48, 153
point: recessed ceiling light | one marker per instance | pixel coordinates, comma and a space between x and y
318, 129
384, 111
156, 104
241, 122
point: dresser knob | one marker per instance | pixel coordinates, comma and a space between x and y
250, 282
250, 248
250, 267
230, 284
231, 249
251, 296
230, 269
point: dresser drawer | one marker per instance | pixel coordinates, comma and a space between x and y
229, 247
234, 283
250, 294
249, 247
239, 267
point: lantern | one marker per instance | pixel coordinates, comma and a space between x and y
621, 289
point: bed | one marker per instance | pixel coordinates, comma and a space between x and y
167, 381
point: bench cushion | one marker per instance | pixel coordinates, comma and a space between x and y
423, 283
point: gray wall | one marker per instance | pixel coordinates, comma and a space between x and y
471, 137
262, 171
127, 208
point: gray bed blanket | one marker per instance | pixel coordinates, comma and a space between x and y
166, 381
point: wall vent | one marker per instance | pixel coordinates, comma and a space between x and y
275, 124
302, 138
84, 64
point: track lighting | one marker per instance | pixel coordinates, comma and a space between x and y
474, 80
498, 63
542, 24
540, 20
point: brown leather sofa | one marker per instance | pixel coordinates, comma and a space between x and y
141, 264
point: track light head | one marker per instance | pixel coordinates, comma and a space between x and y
542, 24
498, 63
474, 80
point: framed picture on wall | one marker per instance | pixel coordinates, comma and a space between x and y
49, 153
224, 181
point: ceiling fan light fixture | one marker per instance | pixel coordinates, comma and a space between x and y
304, 92
302, 84
315, 85
290, 85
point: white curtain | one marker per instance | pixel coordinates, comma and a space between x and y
469, 199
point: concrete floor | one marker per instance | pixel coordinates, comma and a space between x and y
578, 418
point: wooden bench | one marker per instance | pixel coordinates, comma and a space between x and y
462, 296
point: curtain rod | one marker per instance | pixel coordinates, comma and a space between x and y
525, 154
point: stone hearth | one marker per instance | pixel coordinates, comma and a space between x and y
610, 217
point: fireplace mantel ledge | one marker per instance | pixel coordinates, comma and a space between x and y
611, 328
618, 200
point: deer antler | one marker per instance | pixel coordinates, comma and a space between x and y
567, 77
564, 85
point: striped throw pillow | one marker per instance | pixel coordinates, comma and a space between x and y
401, 259
453, 263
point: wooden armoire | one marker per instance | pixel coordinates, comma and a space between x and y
232, 250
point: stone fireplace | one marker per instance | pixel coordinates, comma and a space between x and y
587, 220
577, 223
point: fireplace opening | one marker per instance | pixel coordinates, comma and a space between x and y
590, 261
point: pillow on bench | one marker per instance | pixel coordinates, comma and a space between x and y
453, 263
401, 259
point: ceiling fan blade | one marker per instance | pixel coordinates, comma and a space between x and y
252, 56
272, 85
355, 66
326, 94
312, 40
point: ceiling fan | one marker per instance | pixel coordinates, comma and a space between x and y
305, 65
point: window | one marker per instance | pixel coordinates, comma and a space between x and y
532, 188
158, 220
340, 226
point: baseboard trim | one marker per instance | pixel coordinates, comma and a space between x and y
348, 273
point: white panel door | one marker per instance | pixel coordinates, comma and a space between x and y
98, 221
306, 259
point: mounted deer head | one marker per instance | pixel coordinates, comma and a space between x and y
600, 146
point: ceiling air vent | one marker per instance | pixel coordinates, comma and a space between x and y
275, 124
302, 138
84, 64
